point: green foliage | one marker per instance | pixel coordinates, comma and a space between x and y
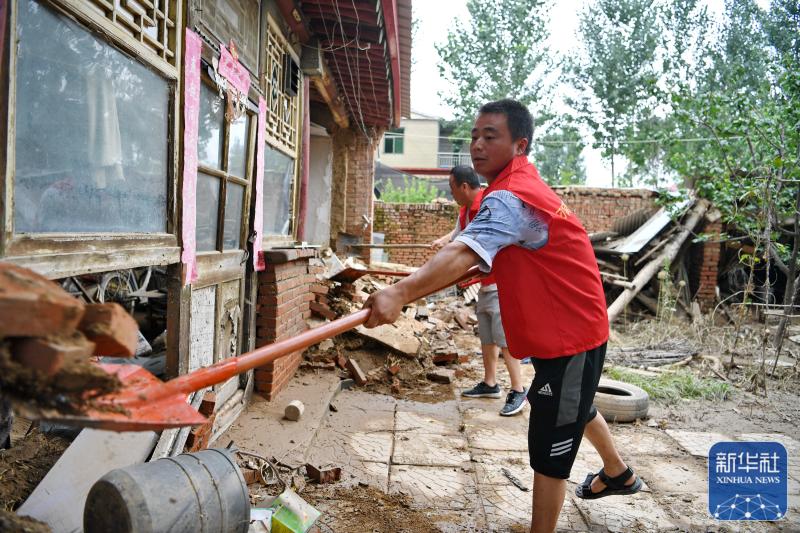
558, 157
414, 191
672, 387
499, 53
633, 52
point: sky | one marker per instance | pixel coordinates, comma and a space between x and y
434, 18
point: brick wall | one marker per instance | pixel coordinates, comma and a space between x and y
598, 207
284, 293
353, 182
412, 224
705, 266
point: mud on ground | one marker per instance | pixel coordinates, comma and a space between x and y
24, 465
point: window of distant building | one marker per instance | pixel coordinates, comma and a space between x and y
393, 141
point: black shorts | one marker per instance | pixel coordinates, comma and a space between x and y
561, 397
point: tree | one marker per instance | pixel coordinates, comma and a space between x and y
499, 53
634, 52
557, 155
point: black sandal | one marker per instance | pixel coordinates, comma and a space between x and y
615, 486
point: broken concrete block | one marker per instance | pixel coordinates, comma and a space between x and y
355, 372
462, 317
111, 328
294, 410
331, 475
33, 306
326, 345
49, 354
422, 312
395, 336
322, 310
443, 375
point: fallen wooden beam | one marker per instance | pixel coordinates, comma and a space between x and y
644, 276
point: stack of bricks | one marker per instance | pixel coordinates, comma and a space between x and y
413, 224
598, 208
706, 260
284, 297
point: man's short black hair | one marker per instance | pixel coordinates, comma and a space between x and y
465, 174
520, 120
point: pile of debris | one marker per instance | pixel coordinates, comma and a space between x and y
48, 338
426, 344
632, 256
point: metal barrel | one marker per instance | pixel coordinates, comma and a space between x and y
194, 492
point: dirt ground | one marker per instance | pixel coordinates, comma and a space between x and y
24, 465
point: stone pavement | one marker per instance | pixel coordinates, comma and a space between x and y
447, 458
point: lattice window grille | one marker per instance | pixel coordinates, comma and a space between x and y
151, 22
282, 109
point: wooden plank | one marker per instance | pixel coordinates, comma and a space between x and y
64, 265
59, 499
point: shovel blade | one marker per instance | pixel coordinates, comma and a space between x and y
116, 411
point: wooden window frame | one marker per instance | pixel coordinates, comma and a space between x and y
64, 254
225, 177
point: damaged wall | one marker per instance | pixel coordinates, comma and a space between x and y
704, 265
284, 294
353, 182
412, 224
598, 208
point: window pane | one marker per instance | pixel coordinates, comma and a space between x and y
278, 178
209, 130
237, 147
207, 211
231, 236
91, 132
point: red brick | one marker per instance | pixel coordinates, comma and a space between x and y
33, 306
208, 404
322, 310
111, 328
49, 354
355, 372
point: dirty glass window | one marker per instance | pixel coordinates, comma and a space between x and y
91, 148
278, 184
223, 153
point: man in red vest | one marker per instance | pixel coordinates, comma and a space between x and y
466, 189
552, 306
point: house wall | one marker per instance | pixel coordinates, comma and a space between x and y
353, 183
420, 145
284, 294
704, 261
318, 200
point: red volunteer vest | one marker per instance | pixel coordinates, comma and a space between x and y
464, 220
552, 302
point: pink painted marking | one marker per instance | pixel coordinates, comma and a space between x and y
191, 112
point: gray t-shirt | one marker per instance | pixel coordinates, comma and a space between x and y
504, 220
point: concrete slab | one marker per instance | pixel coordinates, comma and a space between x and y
488, 467
509, 509
446, 410
497, 439
341, 447
419, 423
690, 513
641, 440
364, 401
697, 443
673, 474
435, 487
262, 429
430, 450
792, 447
639, 512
